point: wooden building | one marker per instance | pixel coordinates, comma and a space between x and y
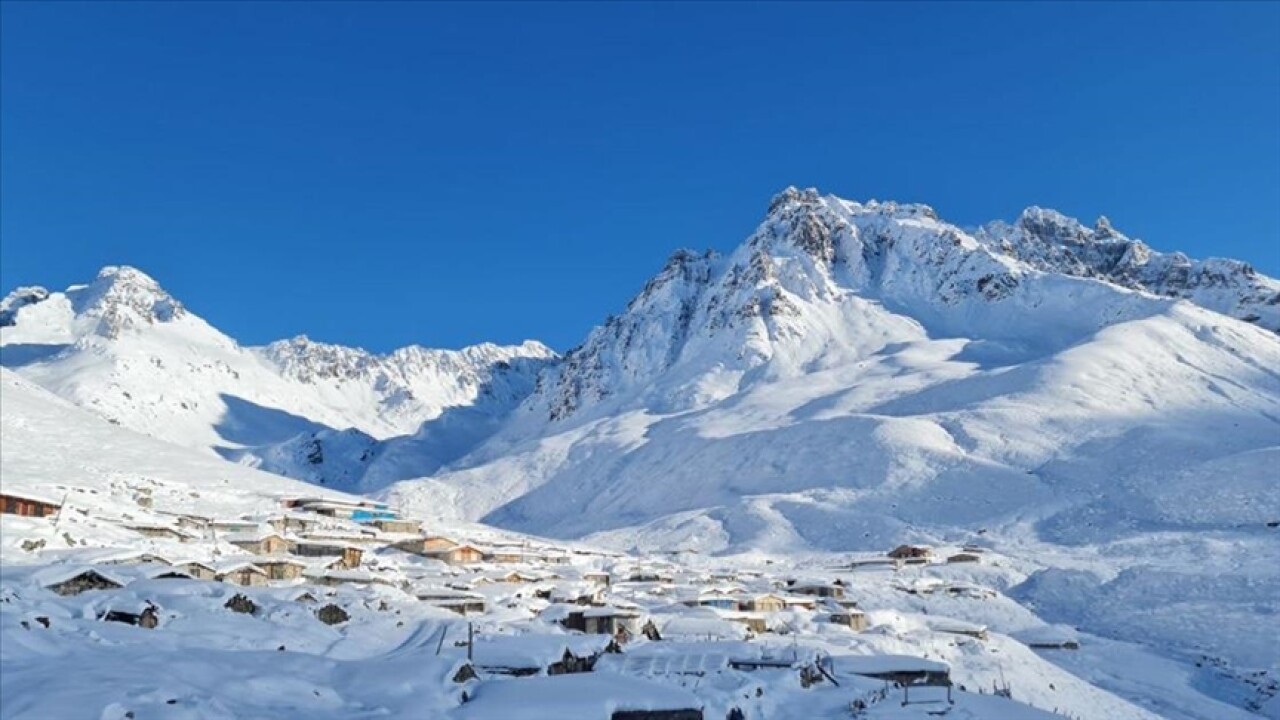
767, 603
817, 589
351, 555
12, 503
281, 567
462, 554
241, 573
397, 526
158, 530
911, 553
74, 582
259, 543
197, 570
854, 619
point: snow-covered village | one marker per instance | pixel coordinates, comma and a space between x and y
604, 361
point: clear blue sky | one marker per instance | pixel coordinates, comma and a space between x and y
382, 174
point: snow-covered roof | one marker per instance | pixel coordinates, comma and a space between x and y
1048, 635
57, 574
702, 628
235, 564
879, 664
533, 651
578, 696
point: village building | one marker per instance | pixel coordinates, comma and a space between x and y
854, 619
389, 525
817, 589
720, 601
240, 572
753, 622
525, 655
26, 504
964, 557
197, 570
258, 543
131, 557
620, 623
350, 555
333, 578
555, 557
235, 526
462, 554
902, 670
911, 554
158, 530
73, 581
281, 567
957, 627
704, 628
425, 544
1049, 637
353, 537
292, 522
355, 510
607, 696
188, 521
803, 602
767, 603
509, 555
598, 577
461, 602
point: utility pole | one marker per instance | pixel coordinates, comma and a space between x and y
471, 639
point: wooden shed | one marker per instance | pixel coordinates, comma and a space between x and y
397, 525
854, 619
197, 570
351, 555
12, 503
76, 581
918, 553
281, 567
817, 589
463, 554
241, 573
259, 543
767, 603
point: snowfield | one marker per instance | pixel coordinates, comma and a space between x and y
1089, 428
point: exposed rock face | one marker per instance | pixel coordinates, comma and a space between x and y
1050, 241
332, 615
239, 603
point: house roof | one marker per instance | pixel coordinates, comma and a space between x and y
58, 574
880, 664
577, 695
234, 565
23, 493
533, 651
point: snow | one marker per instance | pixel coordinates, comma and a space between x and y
1103, 420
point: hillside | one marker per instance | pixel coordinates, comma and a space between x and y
125, 349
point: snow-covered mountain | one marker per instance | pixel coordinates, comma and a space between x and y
871, 358
859, 374
852, 376
124, 348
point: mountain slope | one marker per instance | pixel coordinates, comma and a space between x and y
124, 348
858, 375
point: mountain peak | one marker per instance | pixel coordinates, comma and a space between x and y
122, 298
791, 195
